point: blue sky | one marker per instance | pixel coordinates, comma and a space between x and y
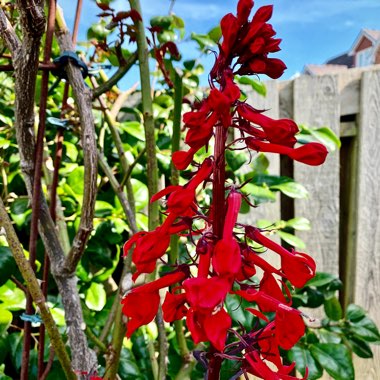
312, 31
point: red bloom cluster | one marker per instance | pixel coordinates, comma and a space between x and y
225, 263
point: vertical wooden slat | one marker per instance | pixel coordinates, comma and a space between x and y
367, 292
316, 103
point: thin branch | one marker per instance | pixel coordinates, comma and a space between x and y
8, 34
83, 98
34, 288
96, 340
119, 192
121, 99
119, 74
128, 174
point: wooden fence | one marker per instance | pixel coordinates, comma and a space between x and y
344, 193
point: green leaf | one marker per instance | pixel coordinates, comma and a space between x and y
333, 308
215, 34
20, 210
291, 239
260, 194
321, 279
292, 189
235, 161
5, 320
335, 359
299, 224
365, 329
256, 85
327, 137
236, 309
7, 264
203, 40
76, 180
360, 348
95, 297
140, 192
98, 31
260, 164
355, 313
12, 298
134, 128
303, 359
103, 209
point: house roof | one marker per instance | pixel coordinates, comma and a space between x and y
342, 59
372, 35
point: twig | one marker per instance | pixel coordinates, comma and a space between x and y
83, 98
48, 365
19, 284
119, 192
34, 288
8, 34
131, 167
95, 340
119, 74
121, 99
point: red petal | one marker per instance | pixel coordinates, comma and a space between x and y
244, 8
216, 327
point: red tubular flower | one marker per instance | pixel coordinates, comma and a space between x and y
140, 305
174, 307
230, 27
298, 267
244, 8
289, 326
313, 153
182, 159
276, 131
226, 258
209, 327
206, 293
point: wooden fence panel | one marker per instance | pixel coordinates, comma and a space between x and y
317, 103
367, 293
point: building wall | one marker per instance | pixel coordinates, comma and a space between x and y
364, 44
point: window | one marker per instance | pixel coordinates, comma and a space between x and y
363, 57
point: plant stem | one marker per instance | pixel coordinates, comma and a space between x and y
218, 207
147, 108
34, 288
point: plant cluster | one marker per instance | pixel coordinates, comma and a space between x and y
227, 254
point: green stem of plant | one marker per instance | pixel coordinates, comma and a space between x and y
34, 288
95, 339
147, 108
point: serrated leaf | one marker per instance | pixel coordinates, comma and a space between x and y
333, 308
354, 313
292, 240
95, 297
335, 359
303, 359
299, 224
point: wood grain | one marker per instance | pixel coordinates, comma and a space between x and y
316, 104
368, 214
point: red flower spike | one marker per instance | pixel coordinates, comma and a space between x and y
174, 307
289, 326
275, 68
244, 8
263, 14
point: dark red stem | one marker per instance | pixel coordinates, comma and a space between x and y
218, 217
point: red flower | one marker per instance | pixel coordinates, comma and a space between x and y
209, 327
311, 154
174, 307
182, 159
298, 267
226, 258
140, 305
244, 8
276, 131
206, 293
